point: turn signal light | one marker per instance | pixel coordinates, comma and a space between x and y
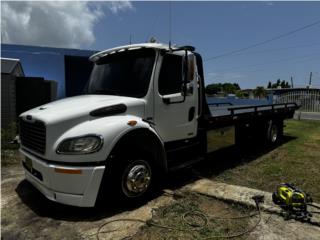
67, 171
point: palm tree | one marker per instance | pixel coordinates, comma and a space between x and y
260, 92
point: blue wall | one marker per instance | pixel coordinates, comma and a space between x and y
43, 61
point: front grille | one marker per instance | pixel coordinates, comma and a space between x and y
33, 135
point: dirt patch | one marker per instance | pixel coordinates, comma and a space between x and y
10, 157
197, 217
27, 214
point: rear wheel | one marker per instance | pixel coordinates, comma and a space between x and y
274, 132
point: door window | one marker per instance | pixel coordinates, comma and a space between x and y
170, 78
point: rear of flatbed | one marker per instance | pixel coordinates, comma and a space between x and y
241, 125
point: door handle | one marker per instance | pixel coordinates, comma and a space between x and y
191, 113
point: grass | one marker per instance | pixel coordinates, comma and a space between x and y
190, 225
9, 151
296, 160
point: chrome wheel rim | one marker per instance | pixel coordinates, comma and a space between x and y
274, 133
136, 178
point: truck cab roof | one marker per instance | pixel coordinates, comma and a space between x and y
158, 46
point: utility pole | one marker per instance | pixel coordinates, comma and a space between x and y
291, 82
310, 80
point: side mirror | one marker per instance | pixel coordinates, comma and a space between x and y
189, 75
191, 68
189, 89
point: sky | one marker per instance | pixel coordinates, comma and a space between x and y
215, 29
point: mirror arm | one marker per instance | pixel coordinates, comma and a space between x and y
186, 63
166, 100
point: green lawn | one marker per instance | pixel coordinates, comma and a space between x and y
296, 160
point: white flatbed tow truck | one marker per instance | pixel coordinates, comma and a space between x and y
144, 113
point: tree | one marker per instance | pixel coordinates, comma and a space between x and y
227, 88
269, 84
260, 92
287, 85
230, 88
213, 88
279, 83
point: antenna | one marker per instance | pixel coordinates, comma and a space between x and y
170, 24
130, 39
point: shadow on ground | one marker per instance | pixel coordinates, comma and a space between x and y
219, 161
212, 165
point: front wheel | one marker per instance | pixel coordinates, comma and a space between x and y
136, 178
129, 179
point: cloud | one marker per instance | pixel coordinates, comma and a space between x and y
54, 23
117, 6
269, 3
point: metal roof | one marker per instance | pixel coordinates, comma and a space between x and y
11, 66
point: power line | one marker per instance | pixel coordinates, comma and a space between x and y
263, 42
279, 49
274, 73
272, 62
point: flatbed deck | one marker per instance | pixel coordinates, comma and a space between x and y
222, 116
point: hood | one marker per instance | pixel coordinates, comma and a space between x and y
80, 107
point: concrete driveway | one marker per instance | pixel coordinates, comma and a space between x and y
307, 115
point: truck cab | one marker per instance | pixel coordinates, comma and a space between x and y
138, 98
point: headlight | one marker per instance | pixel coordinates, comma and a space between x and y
80, 145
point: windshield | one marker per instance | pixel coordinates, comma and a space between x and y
126, 73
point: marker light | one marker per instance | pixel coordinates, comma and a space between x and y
68, 171
132, 123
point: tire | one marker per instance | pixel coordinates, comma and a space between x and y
136, 179
129, 178
274, 133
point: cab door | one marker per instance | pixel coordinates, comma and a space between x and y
176, 109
